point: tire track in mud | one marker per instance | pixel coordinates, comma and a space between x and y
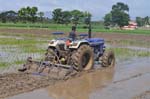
132, 77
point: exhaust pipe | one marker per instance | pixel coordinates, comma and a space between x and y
90, 31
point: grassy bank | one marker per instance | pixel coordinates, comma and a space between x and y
67, 28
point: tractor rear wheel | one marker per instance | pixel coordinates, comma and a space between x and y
83, 58
108, 59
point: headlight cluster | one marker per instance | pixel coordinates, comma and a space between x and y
74, 44
51, 42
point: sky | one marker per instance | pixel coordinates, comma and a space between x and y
98, 8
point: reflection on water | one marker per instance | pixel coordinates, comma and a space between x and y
81, 87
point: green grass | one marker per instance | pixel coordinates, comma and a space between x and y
27, 35
13, 41
4, 64
137, 43
24, 46
45, 25
67, 28
31, 48
138, 31
126, 54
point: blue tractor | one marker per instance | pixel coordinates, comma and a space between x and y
78, 54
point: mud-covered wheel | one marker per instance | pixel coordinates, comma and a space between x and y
108, 59
83, 59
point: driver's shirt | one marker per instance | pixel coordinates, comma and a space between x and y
72, 35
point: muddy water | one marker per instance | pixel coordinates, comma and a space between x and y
75, 88
129, 80
80, 88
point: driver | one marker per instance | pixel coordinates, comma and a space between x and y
72, 34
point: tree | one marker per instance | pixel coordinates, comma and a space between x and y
57, 15
28, 14
147, 20
41, 15
10, 16
108, 19
140, 21
77, 16
74, 16
120, 14
22, 13
121, 7
66, 17
143, 21
87, 18
33, 12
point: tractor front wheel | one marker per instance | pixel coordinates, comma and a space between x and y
108, 59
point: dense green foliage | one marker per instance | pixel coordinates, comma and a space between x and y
143, 21
24, 15
28, 14
10, 16
108, 19
66, 17
118, 16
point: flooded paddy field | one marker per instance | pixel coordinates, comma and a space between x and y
128, 79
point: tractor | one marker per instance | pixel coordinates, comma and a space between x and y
77, 54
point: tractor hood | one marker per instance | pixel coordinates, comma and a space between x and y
95, 40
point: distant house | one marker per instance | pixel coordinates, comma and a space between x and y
132, 26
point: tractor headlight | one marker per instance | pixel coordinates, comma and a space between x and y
51, 42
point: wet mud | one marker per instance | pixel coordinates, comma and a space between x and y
77, 87
124, 81
15, 83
